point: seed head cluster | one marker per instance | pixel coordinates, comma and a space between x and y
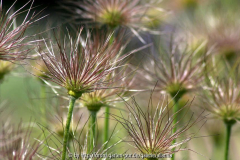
151, 130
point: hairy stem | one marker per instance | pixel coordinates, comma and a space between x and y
66, 130
106, 124
228, 134
92, 131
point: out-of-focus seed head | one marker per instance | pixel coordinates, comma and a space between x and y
190, 3
5, 68
112, 17
225, 37
195, 41
176, 89
220, 29
222, 99
119, 84
39, 69
13, 42
113, 14
15, 142
178, 71
58, 127
153, 18
222, 32
94, 100
186, 5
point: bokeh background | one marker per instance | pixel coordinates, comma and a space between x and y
197, 19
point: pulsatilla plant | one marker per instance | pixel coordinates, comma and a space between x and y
79, 145
12, 38
5, 68
115, 13
15, 142
81, 67
222, 99
151, 131
119, 85
221, 29
178, 70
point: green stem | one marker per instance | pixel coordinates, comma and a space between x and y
228, 132
92, 131
68, 122
175, 109
106, 124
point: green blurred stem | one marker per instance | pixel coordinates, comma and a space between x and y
228, 125
44, 112
44, 107
92, 130
175, 109
106, 124
68, 122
